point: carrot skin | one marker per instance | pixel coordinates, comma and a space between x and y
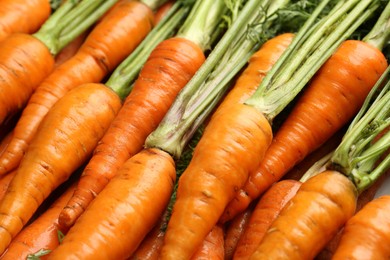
21, 53
65, 140
367, 233
265, 212
40, 234
169, 67
162, 11
124, 212
212, 247
332, 99
20, 16
106, 46
70, 50
310, 219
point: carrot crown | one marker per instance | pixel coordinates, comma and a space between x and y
362, 145
153, 4
312, 46
69, 21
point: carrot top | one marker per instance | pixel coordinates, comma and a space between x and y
202, 93
123, 77
69, 21
312, 46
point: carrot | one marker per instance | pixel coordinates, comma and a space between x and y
163, 10
19, 16
311, 218
333, 97
27, 59
42, 234
117, 35
212, 247
71, 49
266, 211
234, 231
154, 91
231, 147
4, 183
366, 233
58, 148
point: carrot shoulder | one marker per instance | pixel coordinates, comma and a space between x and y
20, 16
66, 138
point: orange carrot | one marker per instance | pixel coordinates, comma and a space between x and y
20, 16
4, 183
367, 233
266, 211
105, 47
234, 231
311, 218
70, 50
66, 138
162, 11
333, 97
124, 212
27, 59
42, 234
212, 247
169, 67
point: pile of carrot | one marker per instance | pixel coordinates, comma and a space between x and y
184, 129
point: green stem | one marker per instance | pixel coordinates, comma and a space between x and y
208, 85
379, 36
154, 4
69, 21
121, 80
272, 98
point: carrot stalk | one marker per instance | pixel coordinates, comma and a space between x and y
22, 16
302, 126
126, 25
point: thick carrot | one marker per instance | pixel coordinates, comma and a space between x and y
212, 247
28, 59
266, 211
169, 67
367, 233
41, 234
234, 230
333, 97
124, 212
106, 46
20, 16
66, 138
311, 218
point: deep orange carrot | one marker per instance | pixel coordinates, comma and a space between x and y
234, 231
330, 101
124, 212
367, 233
66, 138
20, 16
169, 67
41, 234
105, 47
265, 212
212, 247
310, 219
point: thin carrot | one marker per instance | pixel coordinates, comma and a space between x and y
169, 67
20, 16
114, 37
265, 212
234, 141
28, 59
333, 97
212, 247
366, 234
41, 234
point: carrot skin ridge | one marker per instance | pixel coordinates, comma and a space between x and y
92, 62
310, 219
365, 234
212, 247
58, 149
264, 213
312, 111
149, 100
145, 179
40, 234
20, 16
